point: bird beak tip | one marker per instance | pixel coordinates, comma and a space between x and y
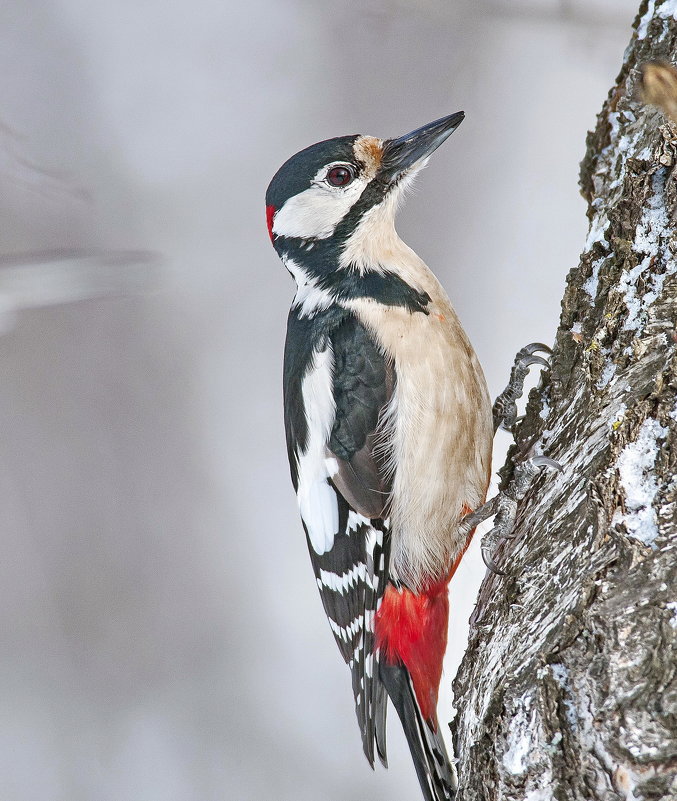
404, 152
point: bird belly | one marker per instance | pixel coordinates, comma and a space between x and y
438, 433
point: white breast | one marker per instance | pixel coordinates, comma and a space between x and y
439, 424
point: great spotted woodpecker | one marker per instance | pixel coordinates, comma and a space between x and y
389, 426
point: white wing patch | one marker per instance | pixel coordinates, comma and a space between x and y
316, 497
319, 510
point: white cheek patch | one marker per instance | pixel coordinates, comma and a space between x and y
315, 212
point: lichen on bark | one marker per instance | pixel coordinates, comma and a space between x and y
568, 687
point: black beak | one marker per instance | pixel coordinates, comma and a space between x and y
402, 153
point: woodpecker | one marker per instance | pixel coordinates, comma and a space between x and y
388, 425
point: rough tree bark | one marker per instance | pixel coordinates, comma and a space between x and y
567, 689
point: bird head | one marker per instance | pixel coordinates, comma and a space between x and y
319, 197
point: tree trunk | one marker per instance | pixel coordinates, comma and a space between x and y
567, 689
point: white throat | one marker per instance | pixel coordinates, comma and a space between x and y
375, 243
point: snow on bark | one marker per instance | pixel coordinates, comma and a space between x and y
568, 689
636, 466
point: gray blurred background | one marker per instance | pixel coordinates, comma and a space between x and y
162, 638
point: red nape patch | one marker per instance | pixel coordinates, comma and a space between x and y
270, 213
412, 629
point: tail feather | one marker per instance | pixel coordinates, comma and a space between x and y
380, 710
435, 773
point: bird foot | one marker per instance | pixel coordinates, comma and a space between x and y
505, 405
504, 508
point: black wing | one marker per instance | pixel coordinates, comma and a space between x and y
351, 574
363, 385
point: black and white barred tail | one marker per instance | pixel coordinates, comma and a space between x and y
351, 579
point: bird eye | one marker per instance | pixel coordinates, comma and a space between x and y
340, 176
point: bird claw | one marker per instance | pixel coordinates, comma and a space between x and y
535, 347
529, 360
545, 461
490, 564
505, 405
490, 543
